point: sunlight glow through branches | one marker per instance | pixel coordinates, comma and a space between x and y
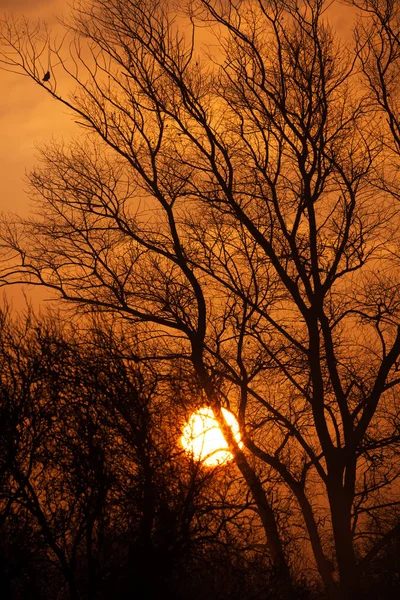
203, 438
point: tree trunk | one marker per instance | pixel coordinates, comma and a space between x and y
340, 505
72, 586
265, 511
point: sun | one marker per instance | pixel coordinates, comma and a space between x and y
203, 437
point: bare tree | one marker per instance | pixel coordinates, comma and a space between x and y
225, 203
107, 506
377, 36
378, 48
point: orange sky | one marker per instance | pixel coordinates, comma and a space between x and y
29, 118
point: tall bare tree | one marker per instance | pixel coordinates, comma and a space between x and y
225, 201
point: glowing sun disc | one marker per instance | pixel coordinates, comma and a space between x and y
203, 438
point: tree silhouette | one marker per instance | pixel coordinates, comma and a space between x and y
96, 501
227, 206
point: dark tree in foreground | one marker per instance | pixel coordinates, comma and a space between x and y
96, 501
232, 202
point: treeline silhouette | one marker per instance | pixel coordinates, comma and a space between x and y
98, 499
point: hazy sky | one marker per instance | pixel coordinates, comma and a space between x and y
29, 118
25, 5
27, 115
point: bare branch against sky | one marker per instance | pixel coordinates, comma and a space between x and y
238, 210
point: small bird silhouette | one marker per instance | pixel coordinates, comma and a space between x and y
46, 76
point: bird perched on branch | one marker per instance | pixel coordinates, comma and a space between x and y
46, 76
